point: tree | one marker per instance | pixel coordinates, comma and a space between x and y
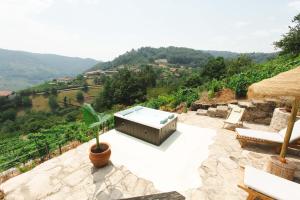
9, 114
148, 75
215, 68
125, 87
193, 80
65, 101
26, 101
290, 43
54, 91
79, 97
237, 65
85, 87
53, 103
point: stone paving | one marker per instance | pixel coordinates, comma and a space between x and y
71, 176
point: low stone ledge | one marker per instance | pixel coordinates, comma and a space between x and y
201, 112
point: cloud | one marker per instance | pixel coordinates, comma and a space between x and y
21, 28
241, 24
294, 5
261, 33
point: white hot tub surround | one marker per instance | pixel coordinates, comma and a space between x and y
148, 124
171, 166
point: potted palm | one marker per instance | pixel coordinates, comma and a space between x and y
100, 152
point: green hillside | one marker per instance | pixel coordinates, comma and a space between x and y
23, 69
177, 56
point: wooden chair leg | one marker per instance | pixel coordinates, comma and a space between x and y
251, 196
278, 149
242, 143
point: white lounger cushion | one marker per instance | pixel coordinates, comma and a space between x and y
271, 185
264, 135
295, 134
271, 136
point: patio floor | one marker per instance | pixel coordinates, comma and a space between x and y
71, 176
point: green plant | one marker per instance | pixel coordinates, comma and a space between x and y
94, 120
211, 94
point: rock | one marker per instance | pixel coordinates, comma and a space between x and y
222, 111
197, 105
233, 102
245, 104
211, 112
280, 119
201, 112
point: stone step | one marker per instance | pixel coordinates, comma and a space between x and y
201, 112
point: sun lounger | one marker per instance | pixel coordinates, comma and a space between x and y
266, 186
235, 116
245, 136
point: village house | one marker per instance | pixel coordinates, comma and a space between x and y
94, 73
8, 94
63, 80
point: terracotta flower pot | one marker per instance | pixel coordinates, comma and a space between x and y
100, 159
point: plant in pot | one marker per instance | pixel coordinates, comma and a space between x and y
99, 152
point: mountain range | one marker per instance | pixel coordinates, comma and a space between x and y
21, 69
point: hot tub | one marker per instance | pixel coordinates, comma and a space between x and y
150, 125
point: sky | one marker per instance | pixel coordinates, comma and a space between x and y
104, 29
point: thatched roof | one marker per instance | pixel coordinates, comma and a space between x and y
283, 84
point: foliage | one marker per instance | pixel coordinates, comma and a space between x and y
172, 100
53, 103
241, 63
94, 120
79, 97
290, 43
125, 87
215, 68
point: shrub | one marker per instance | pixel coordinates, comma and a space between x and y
239, 83
211, 94
216, 85
79, 97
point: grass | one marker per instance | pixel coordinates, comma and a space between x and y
40, 102
155, 92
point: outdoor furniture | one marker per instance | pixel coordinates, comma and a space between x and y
147, 124
235, 116
245, 136
266, 186
162, 196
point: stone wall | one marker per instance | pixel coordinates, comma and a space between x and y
280, 119
256, 111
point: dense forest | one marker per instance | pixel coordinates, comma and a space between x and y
27, 135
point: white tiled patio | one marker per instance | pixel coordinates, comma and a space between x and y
200, 163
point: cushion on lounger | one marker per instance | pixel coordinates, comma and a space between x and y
264, 135
295, 134
171, 116
163, 121
271, 185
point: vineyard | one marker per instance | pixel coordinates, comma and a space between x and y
20, 149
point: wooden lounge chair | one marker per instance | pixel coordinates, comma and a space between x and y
234, 118
245, 136
266, 186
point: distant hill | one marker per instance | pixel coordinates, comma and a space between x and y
144, 55
21, 69
257, 57
174, 55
